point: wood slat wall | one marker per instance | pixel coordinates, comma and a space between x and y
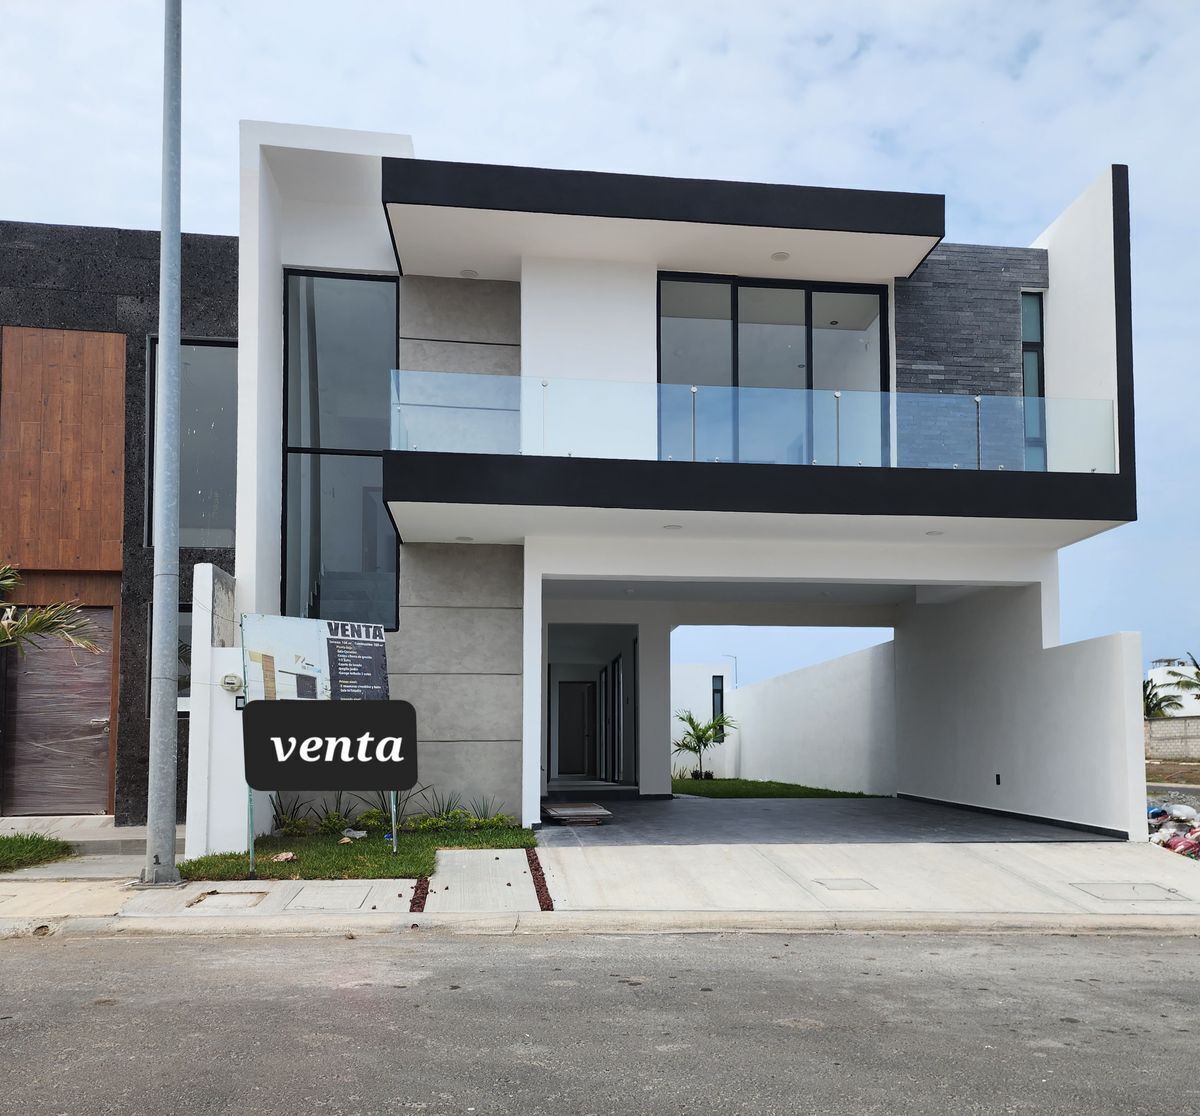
62, 448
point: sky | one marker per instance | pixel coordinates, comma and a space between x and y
1008, 108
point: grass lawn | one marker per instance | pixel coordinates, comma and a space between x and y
321, 858
24, 850
754, 788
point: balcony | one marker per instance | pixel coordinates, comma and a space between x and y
640, 421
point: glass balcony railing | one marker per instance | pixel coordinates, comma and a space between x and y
469, 413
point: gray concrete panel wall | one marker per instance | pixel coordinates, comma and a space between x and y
457, 658
460, 325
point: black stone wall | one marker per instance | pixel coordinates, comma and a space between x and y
72, 277
958, 333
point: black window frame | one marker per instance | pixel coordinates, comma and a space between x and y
809, 287
184, 609
1038, 348
151, 403
718, 699
287, 450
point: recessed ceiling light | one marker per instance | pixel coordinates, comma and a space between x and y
464, 538
834, 322
932, 533
672, 526
629, 592
469, 273
779, 257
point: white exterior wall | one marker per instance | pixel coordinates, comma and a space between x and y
691, 688
310, 198
832, 725
593, 324
1081, 331
977, 695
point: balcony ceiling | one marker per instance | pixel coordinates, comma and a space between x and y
447, 218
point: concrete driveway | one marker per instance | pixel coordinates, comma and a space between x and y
691, 820
854, 855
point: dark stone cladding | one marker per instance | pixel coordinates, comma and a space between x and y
958, 319
958, 333
76, 277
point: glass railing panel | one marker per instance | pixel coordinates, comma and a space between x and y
456, 412
1008, 425
861, 417
936, 431
599, 418
468, 412
1080, 436
772, 425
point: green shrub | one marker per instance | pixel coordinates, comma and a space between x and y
293, 827
374, 821
332, 823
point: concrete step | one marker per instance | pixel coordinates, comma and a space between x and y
117, 846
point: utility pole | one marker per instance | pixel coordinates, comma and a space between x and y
164, 635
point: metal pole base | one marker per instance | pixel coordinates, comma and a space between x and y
159, 875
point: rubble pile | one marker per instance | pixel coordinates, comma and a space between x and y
1175, 827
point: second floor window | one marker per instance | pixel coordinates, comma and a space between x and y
1033, 373
208, 442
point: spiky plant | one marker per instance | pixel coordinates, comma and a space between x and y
701, 735
24, 626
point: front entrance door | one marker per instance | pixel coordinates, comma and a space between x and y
577, 729
54, 738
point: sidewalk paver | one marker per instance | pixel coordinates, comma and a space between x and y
59, 899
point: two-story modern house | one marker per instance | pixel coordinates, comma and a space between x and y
592, 407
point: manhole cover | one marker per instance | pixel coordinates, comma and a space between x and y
229, 900
1132, 892
318, 898
849, 884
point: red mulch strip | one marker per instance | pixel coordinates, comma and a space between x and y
539, 880
420, 894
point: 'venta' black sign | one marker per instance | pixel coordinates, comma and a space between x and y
330, 745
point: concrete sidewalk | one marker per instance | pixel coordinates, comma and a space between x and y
1043, 887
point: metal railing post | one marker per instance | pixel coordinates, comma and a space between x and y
978, 433
837, 427
693, 422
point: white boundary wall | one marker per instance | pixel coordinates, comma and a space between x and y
832, 725
978, 696
691, 688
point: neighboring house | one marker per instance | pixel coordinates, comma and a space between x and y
78, 315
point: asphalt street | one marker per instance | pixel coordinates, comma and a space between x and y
434, 1023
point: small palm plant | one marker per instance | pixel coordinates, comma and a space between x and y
32, 626
1187, 680
701, 735
1156, 702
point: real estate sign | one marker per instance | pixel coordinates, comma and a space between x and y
295, 658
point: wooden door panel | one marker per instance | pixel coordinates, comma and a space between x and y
55, 743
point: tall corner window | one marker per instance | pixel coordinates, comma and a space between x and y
339, 557
1033, 373
183, 701
207, 444
718, 701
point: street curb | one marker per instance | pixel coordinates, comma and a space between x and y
599, 922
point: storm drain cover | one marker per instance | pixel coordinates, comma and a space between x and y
850, 884
229, 900
1132, 892
317, 897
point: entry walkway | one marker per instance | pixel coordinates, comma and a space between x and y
789, 821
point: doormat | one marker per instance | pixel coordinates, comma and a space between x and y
575, 813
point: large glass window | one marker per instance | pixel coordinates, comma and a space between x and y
339, 544
786, 348
208, 442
